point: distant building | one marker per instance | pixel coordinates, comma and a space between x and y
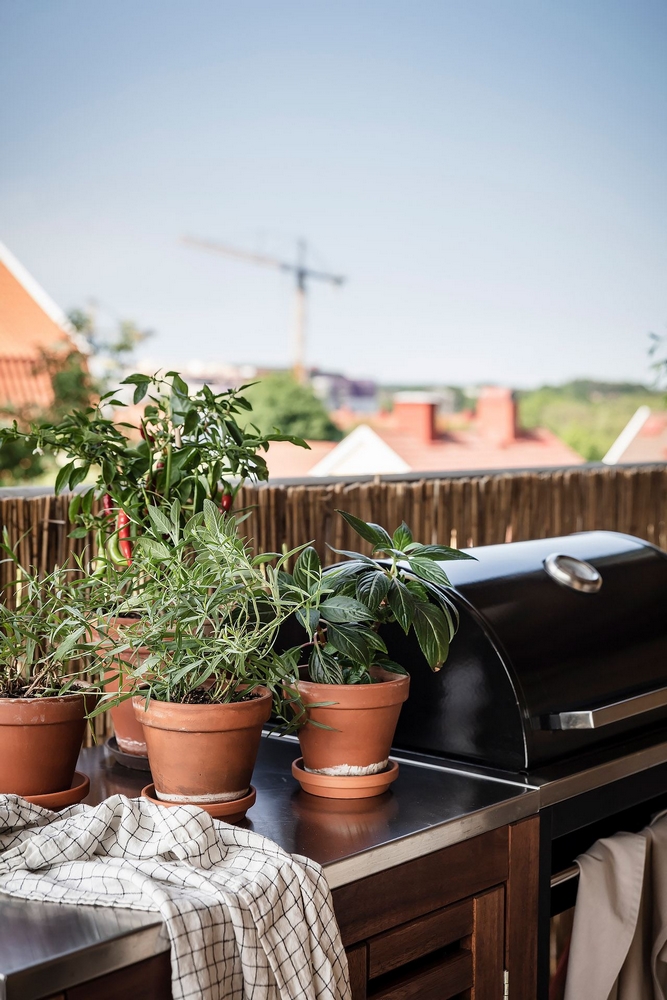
409, 440
338, 392
30, 323
643, 439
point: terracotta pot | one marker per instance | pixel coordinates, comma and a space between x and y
128, 731
40, 739
362, 722
203, 753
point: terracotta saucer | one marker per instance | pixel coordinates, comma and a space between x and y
231, 812
58, 800
138, 762
330, 786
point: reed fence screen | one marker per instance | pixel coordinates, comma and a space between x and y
470, 510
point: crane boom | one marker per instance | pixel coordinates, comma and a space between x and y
299, 270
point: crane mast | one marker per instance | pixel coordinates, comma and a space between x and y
302, 275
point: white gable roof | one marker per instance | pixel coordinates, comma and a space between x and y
361, 453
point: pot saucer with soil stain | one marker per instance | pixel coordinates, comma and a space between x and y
138, 762
329, 786
231, 812
58, 800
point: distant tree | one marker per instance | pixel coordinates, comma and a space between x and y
280, 401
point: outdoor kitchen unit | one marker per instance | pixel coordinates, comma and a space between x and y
558, 675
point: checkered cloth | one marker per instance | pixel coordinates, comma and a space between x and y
246, 921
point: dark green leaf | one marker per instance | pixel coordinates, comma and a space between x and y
373, 533
402, 604
372, 588
402, 537
428, 570
324, 668
344, 609
391, 665
351, 641
136, 379
62, 478
75, 504
78, 475
432, 631
310, 619
140, 392
440, 552
307, 569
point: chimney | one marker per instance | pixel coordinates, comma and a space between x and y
414, 414
496, 415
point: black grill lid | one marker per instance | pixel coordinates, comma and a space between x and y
562, 646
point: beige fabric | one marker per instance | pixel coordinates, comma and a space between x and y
619, 935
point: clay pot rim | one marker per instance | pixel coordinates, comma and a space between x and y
392, 688
173, 715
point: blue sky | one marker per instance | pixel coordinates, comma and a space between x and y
489, 174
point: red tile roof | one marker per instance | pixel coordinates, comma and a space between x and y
29, 324
650, 443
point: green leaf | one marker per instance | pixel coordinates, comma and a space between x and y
402, 537
178, 386
426, 569
373, 533
75, 504
402, 604
391, 665
156, 550
351, 641
324, 668
432, 631
310, 619
344, 609
78, 475
136, 379
140, 392
372, 588
307, 569
440, 552
159, 520
63, 477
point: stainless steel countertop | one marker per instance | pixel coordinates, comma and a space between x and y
47, 947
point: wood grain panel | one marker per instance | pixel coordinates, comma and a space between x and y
149, 980
380, 902
419, 937
522, 908
357, 961
487, 945
439, 979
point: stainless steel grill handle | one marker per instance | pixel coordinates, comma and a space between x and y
604, 715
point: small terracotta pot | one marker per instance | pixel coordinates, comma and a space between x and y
203, 753
40, 739
129, 732
362, 722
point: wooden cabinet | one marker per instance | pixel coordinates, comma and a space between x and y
459, 922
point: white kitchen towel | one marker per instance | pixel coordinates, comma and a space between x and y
246, 920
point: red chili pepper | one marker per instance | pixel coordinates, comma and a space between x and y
124, 542
107, 504
226, 501
145, 435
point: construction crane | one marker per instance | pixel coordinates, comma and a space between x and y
302, 274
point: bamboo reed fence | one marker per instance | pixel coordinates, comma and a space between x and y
460, 510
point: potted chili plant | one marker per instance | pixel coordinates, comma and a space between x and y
208, 618
43, 697
184, 446
352, 691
